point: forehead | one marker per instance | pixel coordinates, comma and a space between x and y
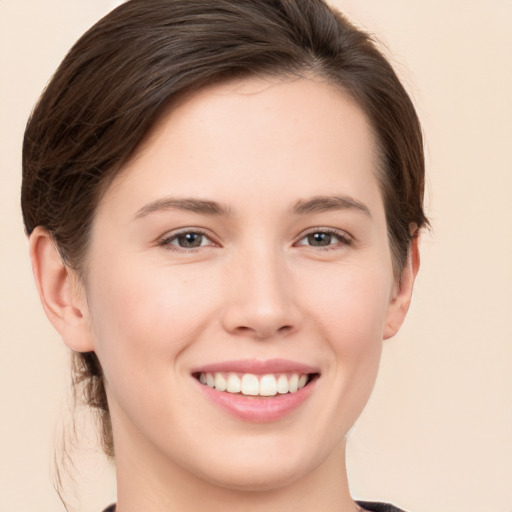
257, 133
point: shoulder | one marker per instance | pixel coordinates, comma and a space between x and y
377, 507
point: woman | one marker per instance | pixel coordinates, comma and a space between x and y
223, 200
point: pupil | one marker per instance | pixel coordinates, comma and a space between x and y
190, 240
320, 239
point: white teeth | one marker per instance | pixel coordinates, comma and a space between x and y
268, 385
220, 382
210, 380
234, 385
282, 384
252, 385
293, 383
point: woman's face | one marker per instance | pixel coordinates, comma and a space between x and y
244, 245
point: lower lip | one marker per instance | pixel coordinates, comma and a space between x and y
258, 409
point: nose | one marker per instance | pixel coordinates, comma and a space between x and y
261, 302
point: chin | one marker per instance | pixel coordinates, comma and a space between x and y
266, 470
251, 479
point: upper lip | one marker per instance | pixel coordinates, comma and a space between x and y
257, 367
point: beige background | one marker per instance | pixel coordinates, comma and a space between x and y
437, 434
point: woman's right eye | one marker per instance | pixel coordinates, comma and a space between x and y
186, 240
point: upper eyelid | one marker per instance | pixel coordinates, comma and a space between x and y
173, 234
323, 229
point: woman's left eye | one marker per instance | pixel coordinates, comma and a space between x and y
186, 240
325, 238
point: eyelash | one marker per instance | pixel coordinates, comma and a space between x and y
167, 241
343, 239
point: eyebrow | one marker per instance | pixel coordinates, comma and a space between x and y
194, 205
206, 207
329, 203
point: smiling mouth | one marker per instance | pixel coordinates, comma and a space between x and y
252, 385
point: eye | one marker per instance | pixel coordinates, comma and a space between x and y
325, 238
191, 239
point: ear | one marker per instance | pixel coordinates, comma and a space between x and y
60, 291
401, 298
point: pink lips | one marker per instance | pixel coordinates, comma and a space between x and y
257, 409
257, 367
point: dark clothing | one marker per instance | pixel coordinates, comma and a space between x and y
374, 507
378, 507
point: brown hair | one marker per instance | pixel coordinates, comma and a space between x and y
117, 78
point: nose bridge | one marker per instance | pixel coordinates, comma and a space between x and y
261, 299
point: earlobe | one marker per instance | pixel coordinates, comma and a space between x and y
401, 299
62, 298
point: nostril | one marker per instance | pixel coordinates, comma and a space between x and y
263, 332
270, 332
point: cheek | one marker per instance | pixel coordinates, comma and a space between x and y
350, 313
346, 311
128, 303
351, 304
141, 321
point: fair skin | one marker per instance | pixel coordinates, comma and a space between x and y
283, 256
